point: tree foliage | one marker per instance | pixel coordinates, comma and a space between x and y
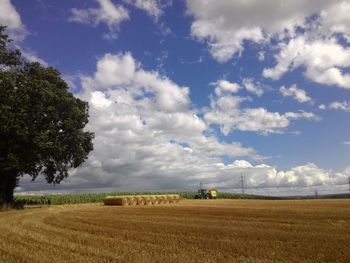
42, 123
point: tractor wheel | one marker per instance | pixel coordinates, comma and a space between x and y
207, 196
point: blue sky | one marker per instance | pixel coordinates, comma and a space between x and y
191, 91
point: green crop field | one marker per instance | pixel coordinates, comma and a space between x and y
59, 199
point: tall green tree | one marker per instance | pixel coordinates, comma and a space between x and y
41, 122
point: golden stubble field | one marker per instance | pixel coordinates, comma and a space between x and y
192, 231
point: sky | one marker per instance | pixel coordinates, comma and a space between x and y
199, 91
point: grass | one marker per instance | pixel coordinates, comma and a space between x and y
192, 231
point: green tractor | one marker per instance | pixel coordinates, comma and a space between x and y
206, 194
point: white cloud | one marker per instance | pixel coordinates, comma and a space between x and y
146, 134
16, 30
347, 143
295, 93
226, 24
336, 105
121, 175
107, 12
261, 55
99, 100
266, 176
323, 59
336, 18
32, 56
227, 113
322, 107
122, 71
168, 96
10, 18
115, 70
151, 7
141, 144
318, 49
224, 86
241, 164
255, 88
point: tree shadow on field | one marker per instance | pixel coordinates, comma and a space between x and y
15, 205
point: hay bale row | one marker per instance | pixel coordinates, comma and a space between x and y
132, 200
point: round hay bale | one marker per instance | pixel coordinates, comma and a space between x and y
116, 200
176, 198
160, 199
131, 200
108, 200
147, 199
169, 198
124, 200
154, 199
164, 199
139, 200
172, 199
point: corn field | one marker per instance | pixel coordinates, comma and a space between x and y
59, 199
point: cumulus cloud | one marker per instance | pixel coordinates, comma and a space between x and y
224, 86
265, 176
296, 93
151, 7
226, 111
307, 34
336, 20
119, 175
9, 15
10, 18
226, 24
322, 107
253, 87
17, 31
147, 136
336, 105
115, 70
32, 56
144, 144
323, 60
261, 55
318, 48
108, 13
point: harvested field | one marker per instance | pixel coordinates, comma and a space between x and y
191, 231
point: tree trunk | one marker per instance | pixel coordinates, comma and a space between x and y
8, 183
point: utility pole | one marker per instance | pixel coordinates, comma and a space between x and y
242, 183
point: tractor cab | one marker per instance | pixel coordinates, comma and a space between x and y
206, 194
